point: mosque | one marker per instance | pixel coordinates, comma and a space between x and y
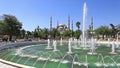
62, 27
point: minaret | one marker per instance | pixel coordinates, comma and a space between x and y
68, 22
51, 23
72, 27
91, 23
57, 23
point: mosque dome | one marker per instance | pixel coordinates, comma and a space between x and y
61, 27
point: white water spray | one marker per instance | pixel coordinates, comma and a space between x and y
48, 46
61, 42
113, 48
54, 44
69, 47
84, 25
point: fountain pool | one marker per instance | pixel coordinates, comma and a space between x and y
38, 56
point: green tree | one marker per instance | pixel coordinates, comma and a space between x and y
90, 33
23, 32
114, 30
78, 25
53, 33
2, 28
13, 26
104, 31
35, 34
28, 34
45, 33
77, 34
66, 33
118, 27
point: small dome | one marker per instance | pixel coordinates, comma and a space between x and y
61, 24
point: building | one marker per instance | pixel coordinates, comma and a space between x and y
62, 27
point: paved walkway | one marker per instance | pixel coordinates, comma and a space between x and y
2, 65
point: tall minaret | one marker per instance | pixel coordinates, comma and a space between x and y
57, 23
72, 25
72, 28
91, 23
51, 23
68, 22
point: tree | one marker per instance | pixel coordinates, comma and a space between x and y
35, 34
77, 34
45, 33
66, 33
23, 32
90, 33
13, 25
118, 27
78, 25
114, 30
28, 34
104, 31
53, 33
2, 28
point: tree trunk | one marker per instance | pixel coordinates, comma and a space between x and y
10, 38
103, 37
98, 37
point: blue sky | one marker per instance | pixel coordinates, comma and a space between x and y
33, 13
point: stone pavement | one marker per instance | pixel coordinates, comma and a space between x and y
2, 65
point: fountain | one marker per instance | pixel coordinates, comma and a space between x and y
55, 47
92, 51
42, 55
76, 44
48, 47
84, 27
69, 47
113, 48
61, 43
108, 42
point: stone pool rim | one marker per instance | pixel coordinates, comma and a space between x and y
17, 44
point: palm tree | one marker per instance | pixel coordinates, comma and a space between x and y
78, 25
114, 30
